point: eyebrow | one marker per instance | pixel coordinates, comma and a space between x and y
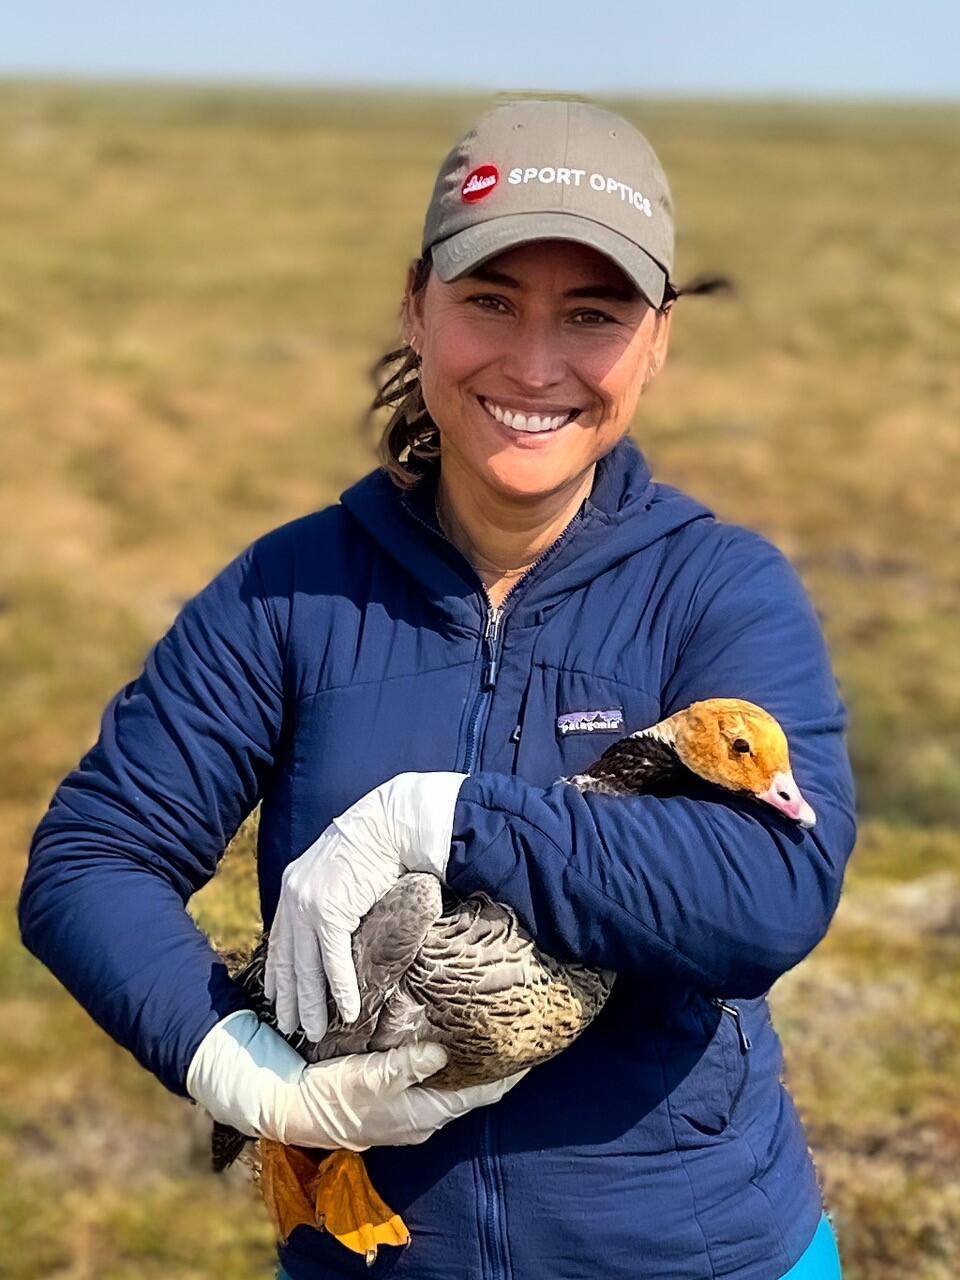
605, 292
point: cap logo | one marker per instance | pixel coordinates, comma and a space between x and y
479, 183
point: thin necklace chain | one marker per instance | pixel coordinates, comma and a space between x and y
504, 573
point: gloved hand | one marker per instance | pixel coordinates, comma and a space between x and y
247, 1076
403, 825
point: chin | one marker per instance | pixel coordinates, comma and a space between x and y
529, 478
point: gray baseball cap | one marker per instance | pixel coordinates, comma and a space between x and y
544, 169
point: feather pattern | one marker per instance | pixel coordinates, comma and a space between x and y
467, 976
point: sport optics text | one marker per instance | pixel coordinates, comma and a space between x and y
572, 178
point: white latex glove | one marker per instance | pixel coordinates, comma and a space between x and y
247, 1076
403, 825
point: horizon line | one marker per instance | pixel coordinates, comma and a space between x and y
213, 80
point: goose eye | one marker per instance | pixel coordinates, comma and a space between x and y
741, 745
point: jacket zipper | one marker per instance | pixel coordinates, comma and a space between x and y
496, 1249
490, 658
490, 645
491, 637
490, 648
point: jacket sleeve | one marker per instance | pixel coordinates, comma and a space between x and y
143, 820
712, 889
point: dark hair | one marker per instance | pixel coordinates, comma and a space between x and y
410, 442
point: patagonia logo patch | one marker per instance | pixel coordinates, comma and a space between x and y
606, 720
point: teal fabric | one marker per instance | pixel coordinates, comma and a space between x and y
820, 1260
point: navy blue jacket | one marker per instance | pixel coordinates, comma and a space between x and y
355, 643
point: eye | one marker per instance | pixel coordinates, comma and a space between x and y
741, 745
487, 297
605, 318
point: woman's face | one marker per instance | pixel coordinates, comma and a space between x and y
551, 329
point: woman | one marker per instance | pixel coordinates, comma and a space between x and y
475, 620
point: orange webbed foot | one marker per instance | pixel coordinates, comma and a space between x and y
332, 1192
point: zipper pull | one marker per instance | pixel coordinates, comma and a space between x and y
489, 677
745, 1042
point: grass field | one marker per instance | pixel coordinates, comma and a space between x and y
193, 285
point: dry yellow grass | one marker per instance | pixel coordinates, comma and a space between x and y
192, 287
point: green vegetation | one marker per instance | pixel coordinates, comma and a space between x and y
193, 286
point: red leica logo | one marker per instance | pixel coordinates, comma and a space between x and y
479, 183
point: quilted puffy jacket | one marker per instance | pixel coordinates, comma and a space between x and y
355, 643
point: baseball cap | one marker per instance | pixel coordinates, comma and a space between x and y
537, 169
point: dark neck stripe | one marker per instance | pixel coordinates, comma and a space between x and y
641, 765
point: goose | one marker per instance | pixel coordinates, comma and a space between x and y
465, 973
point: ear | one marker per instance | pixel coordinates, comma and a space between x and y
411, 311
657, 353
661, 333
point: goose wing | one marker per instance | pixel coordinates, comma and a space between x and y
386, 943
484, 990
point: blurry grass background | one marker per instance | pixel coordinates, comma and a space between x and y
193, 285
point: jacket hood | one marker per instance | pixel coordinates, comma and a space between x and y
625, 512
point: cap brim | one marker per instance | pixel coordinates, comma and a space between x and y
466, 249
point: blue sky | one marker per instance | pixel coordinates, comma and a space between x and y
825, 48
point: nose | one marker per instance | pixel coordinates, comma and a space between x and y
534, 360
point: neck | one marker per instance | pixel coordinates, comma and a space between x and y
645, 763
503, 536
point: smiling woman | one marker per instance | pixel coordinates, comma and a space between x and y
408, 680
529, 383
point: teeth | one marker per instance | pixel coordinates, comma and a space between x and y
527, 422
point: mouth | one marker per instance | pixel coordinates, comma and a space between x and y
526, 422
